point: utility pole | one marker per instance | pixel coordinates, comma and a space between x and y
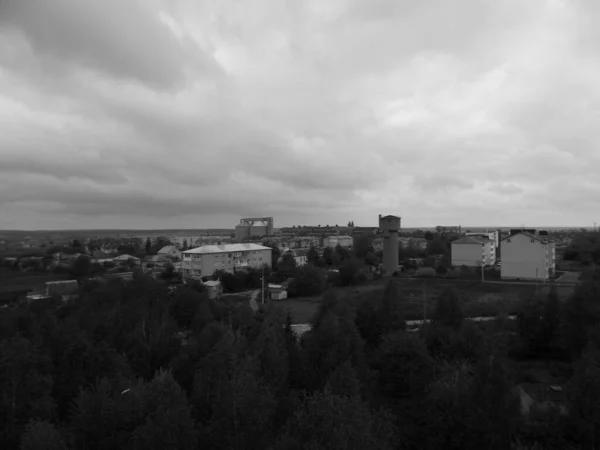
482, 263
424, 301
262, 284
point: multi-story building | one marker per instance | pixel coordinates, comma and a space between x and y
333, 241
204, 261
527, 256
473, 251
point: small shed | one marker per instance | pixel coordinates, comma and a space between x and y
215, 289
277, 292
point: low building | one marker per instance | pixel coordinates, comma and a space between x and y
101, 257
132, 260
170, 251
334, 241
277, 292
214, 288
66, 290
127, 276
299, 254
205, 260
473, 251
527, 255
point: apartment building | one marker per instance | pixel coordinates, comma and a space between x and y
204, 261
473, 251
527, 255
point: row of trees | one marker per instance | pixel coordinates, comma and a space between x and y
129, 366
585, 248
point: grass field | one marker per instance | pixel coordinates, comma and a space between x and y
477, 299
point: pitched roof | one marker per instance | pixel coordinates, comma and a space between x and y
207, 249
527, 234
471, 240
168, 249
125, 257
98, 254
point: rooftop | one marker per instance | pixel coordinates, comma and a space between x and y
471, 240
226, 248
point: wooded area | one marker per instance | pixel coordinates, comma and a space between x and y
131, 366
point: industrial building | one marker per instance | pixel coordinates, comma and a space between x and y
204, 261
527, 255
473, 251
390, 226
248, 229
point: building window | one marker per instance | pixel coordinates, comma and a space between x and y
533, 241
508, 241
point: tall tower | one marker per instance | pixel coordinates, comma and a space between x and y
390, 225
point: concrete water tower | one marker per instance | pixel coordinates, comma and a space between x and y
390, 225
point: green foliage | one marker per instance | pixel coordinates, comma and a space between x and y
580, 314
327, 421
42, 436
404, 365
583, 392
136, 365
312, 256
185, 304
448, 311
287, 265
350, 272
81, 267
308, 281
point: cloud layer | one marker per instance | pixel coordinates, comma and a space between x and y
191, 113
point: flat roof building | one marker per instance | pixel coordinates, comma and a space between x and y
204, 261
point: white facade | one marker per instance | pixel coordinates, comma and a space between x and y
473, 251
204, 261
527, 257
333, 241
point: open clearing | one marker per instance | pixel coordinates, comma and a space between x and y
478, 299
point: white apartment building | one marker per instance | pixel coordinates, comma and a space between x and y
204, 261
473, 251
527, 256
333, 241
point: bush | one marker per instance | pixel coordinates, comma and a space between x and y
348, 271
308, 281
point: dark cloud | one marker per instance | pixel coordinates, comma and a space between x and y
120, 38
169, 112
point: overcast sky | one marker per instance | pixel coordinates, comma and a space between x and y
188, 113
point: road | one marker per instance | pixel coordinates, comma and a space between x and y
526, 283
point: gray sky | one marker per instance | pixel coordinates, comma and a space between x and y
188, 113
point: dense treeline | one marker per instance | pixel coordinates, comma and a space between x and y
130, 366
584, 248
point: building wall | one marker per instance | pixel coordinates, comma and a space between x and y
526, 260
469, 255
204, 265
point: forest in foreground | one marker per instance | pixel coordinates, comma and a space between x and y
132, 366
